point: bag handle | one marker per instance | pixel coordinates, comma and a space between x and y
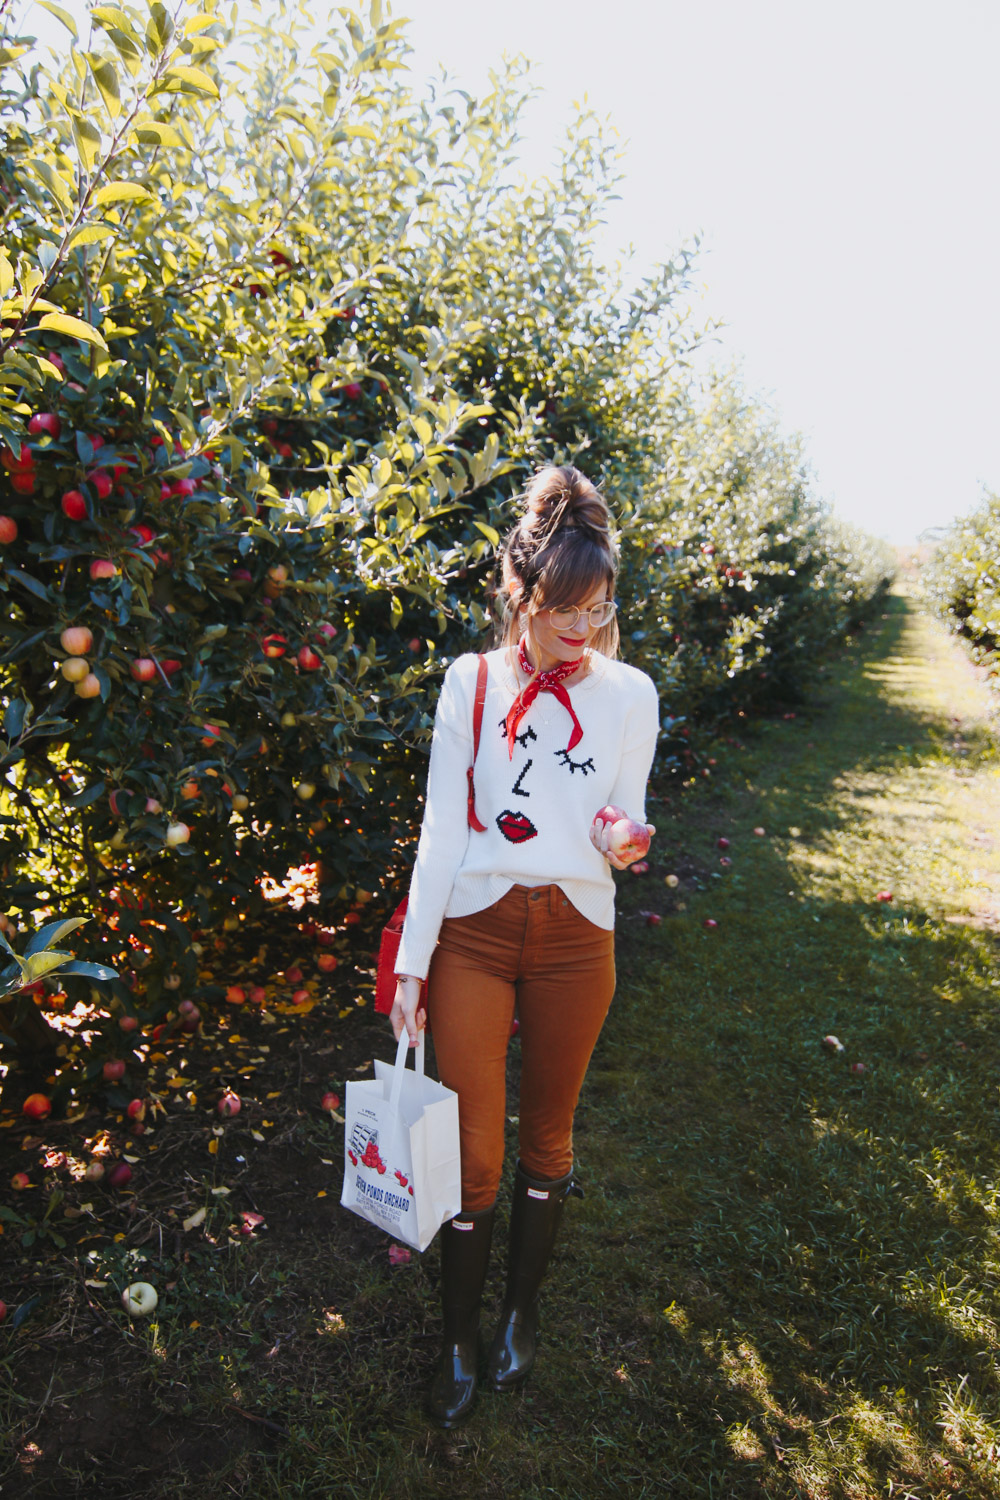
477, 724
402, 1047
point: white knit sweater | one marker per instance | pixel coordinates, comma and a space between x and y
538, 807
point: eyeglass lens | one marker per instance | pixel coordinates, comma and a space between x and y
567, 619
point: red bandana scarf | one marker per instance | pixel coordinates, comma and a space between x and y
544, 682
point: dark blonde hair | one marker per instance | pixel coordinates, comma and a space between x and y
558, 553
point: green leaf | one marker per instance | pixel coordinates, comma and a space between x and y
156, 133
13, 719
106, 77
74, 328
51, 933
42, 964
31, 584
88, 144
196, 79
120, 192
61, 15
89, 971
91, 234
493, 537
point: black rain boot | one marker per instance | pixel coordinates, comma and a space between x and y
534, 1222
465, 1255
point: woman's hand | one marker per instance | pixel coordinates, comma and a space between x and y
600, 833
407, 1010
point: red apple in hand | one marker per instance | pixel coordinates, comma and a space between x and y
628, 840
609, 814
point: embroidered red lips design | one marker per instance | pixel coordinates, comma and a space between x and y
516, 826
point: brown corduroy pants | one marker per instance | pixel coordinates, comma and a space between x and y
532, 949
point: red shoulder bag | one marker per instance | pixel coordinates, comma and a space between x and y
392, 932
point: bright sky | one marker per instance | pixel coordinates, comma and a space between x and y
838, 159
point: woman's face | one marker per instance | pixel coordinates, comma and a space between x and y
548, 645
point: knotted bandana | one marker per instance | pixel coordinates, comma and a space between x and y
544, 682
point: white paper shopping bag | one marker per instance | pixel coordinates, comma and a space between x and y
402, 1170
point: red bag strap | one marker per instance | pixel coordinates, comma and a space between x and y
477, 724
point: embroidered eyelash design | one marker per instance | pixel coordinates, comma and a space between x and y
586, 766
517, 784
522, 739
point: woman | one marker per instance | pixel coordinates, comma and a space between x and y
520, 915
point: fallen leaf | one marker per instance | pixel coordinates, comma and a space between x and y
221, 1192
193, 1220
213, 1147
321, 1193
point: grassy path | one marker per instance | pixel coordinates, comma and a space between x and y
785, 1280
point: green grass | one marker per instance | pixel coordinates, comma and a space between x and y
785, 1277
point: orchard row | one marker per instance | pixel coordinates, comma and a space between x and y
279, 349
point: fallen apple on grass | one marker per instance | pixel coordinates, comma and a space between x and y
235, 995
640, 867
294, 974
37, 1106
760, 832
139, 1299
327, 962
672, 880
722, 844
20, 1181
113, 1070
94, 1172
884, 896
859, 1068
710, 924
120, 1175
833, 1043
330, 1101
229, 1105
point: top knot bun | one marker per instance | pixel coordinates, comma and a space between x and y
559, 553
561, 496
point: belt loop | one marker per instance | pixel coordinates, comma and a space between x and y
554, 894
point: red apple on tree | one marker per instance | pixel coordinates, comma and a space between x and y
102, 567
76, 640
113, 1070
177, 833
8, 530
73, 505
327, 962
23, 483
308, 659
294, 974
74, 668
44, 422
274, 645
90, 687
143, 669
102, 482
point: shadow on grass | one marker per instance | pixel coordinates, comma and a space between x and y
785, 1277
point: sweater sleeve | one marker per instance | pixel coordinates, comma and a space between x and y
642, 728
444, 831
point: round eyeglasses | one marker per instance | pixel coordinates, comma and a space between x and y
568, 619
